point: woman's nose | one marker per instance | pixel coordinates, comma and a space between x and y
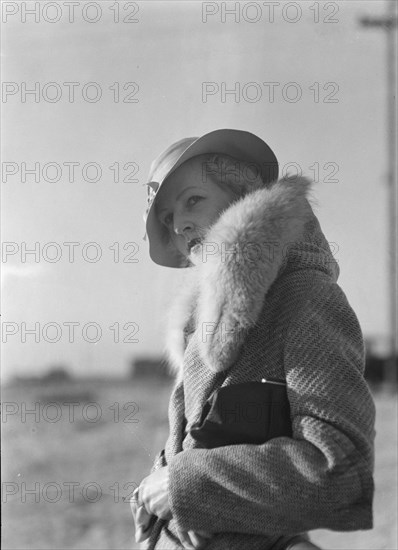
182, 225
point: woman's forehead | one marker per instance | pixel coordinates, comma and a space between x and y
192, 167
187, 175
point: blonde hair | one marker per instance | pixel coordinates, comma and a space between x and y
240, 177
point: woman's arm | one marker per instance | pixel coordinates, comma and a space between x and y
158, 462
320, 478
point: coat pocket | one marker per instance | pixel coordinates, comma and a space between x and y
249, 412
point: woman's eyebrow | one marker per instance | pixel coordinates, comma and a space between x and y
178, 196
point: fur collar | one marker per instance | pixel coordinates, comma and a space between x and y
241, 257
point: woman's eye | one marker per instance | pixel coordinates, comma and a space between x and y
168, 219
193, 200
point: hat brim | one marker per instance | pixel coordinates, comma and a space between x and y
240, 144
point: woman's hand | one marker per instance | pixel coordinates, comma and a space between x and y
143, 523
151, 498
154, 493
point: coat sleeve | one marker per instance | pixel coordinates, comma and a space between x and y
159, 461
176, 424
322, 477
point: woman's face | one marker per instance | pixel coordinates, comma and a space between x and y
189, 203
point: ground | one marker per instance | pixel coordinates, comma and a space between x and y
69, 466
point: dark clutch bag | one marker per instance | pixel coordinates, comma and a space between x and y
249, 412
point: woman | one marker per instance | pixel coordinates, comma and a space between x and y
260, 301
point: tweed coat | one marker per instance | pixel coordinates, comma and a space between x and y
262, 301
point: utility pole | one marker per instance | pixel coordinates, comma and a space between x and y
388, 24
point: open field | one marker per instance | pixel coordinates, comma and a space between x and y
68, 467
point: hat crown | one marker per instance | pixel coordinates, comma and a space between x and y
161, 166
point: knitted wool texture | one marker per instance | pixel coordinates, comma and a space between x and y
284, 317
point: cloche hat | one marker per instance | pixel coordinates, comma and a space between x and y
242, 145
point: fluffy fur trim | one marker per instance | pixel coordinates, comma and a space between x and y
233, 270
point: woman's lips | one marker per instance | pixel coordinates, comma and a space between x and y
193, 243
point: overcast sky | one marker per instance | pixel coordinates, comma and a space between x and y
327, 116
